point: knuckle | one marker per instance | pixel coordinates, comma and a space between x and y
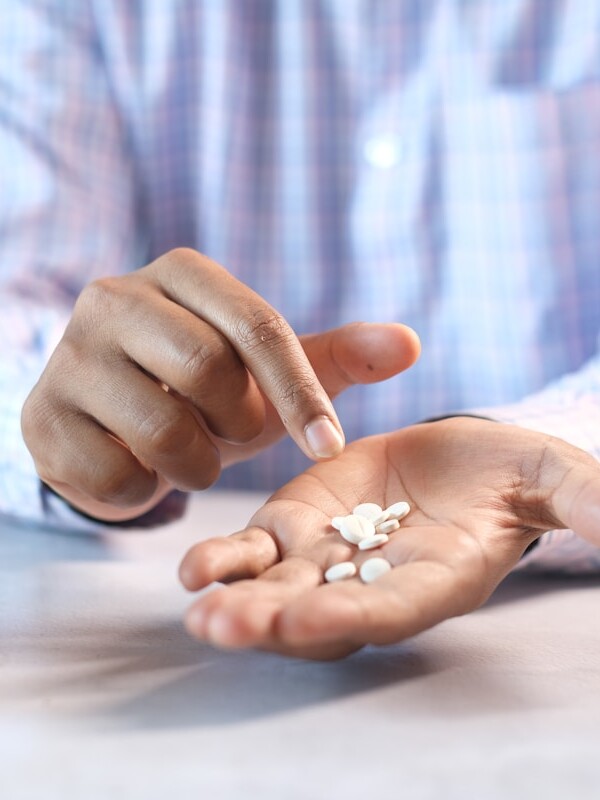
201, 362
42, 422
166, 436
174, 263
182, 254
120, 484
104, 302
33, 419
251, 428
178, 268
263, 328
208, 472
98, 297
243, 426
298, 391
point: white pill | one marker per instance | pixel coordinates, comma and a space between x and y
355, 528
336, 523
369, 510
373, 541
388, 526
381, 518
398, 510
341, 571
374, 568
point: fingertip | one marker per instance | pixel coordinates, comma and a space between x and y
368, 352
222, 630
323, 438
197, 568
194, 621
187, 576
413, 343
397, 345
577, 502
218, 629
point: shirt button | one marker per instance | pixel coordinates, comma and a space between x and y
382, 152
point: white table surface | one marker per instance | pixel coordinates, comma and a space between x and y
103, 695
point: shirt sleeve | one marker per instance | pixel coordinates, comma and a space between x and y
69, 212
568, 408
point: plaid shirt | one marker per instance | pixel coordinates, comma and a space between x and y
430, 161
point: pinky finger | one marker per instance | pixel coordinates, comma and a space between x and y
92, 470
245, 554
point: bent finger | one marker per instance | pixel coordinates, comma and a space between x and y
89, 468
244, 613
160, 429
264, 341
245, 554
191, 357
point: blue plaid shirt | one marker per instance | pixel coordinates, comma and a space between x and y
430, 161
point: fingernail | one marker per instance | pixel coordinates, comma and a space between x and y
195, 622
186, 576
221, 630
323, 438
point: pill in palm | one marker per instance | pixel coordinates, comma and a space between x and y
373, 541
398, 510
336, 523
371, 511
381, 518
374, 568
355, 528
340, 572
388, 526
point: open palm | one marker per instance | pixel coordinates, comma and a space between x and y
480, 494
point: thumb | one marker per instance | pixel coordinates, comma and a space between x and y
360, 352
576, 497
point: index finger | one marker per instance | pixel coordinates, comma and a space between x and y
264, 341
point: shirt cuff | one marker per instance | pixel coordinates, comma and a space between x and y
60, 514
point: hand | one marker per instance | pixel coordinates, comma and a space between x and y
481, 492
167, 374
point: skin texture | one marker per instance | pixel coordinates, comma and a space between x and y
168, 374
480, 493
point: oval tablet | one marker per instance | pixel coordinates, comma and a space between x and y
389, 526
398, 510
341, 571
355, 528
374, 568
373, 541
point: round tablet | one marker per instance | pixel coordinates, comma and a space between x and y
389, 526
355, 528
374, 568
